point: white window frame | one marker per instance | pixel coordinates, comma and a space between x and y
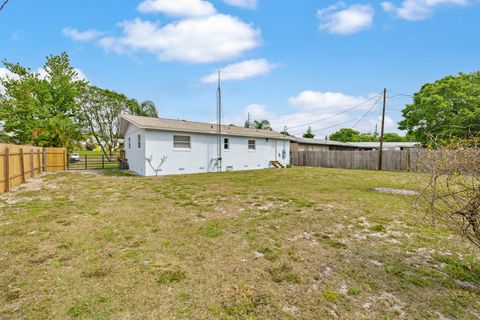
254, 144
226, 142
188, 145
139, 141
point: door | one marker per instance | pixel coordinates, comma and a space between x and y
273, 150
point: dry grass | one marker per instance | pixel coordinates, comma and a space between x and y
274, 244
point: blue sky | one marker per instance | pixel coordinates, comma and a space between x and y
292, 62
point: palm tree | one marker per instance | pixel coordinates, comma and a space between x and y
262, 124
145, 109
149, 109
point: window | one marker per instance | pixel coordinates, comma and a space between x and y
251, 145
129, 143
139, 141
226, 144
181, 142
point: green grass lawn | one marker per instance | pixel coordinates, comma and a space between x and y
296, 243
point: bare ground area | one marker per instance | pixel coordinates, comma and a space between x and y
297, 243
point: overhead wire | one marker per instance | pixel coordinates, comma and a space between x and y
352, 120
335, 115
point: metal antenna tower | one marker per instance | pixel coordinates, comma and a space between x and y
219, 123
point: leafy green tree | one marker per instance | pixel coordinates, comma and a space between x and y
449, 107
309, 134
262, 124
101, 110
350, 135
345, 135
393, 137
42, 110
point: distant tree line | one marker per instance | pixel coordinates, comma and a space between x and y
55, 108
350, 135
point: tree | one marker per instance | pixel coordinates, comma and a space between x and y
42, 109
262, 124
393, 137
350, 135
446, 108
145, 109
101, 110
452, 194
345, 135
309, 134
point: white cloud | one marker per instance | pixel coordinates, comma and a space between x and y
201, 40
249, 4
344, 20
77, 35
178, 8
325, 101
418, 9
242, 70
309, 107
258, 112
4, 74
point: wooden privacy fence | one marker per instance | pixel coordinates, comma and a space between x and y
19, 163
393, 160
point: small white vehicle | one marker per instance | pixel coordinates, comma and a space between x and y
74, 157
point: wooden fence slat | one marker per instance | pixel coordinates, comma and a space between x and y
6, 169
19, 163
39, 159
32, 164
22, 166
393, 160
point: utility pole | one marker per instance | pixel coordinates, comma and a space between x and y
219, 124
380, 153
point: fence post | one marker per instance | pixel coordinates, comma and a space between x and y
44, 160
64, 159
86, 166
32, 166
39, 158
22, 166
6, 169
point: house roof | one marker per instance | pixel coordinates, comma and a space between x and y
369, 145
162, 124
321, 142
386, 145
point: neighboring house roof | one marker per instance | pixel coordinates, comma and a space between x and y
321, 142
386, 145
371, 145
161, 124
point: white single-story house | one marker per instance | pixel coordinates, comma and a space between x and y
192, 147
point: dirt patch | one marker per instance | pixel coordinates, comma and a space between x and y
15, 195
397, 191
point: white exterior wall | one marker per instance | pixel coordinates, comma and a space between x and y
200, 158
135, 155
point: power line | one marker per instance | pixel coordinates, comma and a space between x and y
337, 114
366, 113
352, 120
3, 5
